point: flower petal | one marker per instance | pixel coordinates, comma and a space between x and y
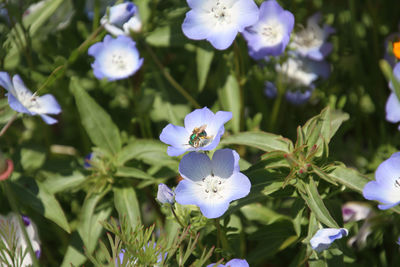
393, 108
5, 81
196, 25
48, 119
198, 118
239, 186
225, 163
195, 166
16, 105
46, 104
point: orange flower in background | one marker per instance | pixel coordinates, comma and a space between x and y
396, 49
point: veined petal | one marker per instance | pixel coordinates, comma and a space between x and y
196, 25
195, 166
176, 136
225, 163
46, 104
198, 118
213, 209
239, 186
325, 237
222, 37
5, 81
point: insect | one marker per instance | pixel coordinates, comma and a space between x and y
199, 137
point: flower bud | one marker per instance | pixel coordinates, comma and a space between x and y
165, 194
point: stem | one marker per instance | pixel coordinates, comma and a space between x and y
277, 105
5, 128
170, 79
176, 217
221, 237
238, 60
50, 76
11, 199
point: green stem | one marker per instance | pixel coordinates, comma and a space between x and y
50, 76
170, 79
238, 60
11, 199
277, 105
176, 217
221, 237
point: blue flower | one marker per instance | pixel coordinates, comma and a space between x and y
232, 263
270, 35
393, 103
398, 241
22, 100
218, 21
115, 59
211, 184
203, 130
270, 89
165, 194
311, 42
122, 19
386, 188
298, 97
325, 237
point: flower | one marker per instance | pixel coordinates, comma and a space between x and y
355, 211
165, 194
390, 49
11, 227
270, 89
386, 188
398, 241
325, 237
122, 19
270, 35
211, 184
393, 103
298, 97
232, 263
218, 21
203, 130
311, 42
22, 100
115, 59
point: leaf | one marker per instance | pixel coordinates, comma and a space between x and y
229, 96
97, 123
34, 21
56, 183
261, 140
127, 204
32, 159
204, 59
132, 172
316, 205
388, 72
42, 202
348, 177
150, 151
166, 36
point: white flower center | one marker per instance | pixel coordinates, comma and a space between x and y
212, 187
221, 13
119, 62
272, 33
308, 38
27, 100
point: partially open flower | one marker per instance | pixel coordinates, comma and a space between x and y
325, 237
122, 19
165, 194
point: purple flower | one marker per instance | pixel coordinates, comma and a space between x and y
325, 237
218, 21
270, 35
122, 19
355, 211
386, 188
115, 59
22, 100
393, 103
298, 97
203, 130
211, 184
165, 194
232, 263
311, 42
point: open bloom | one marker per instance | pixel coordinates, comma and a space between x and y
311, 42
325, 237
218, 21
270, 35
122, 19
22, 100
165, 194
211, 184
386, 188
232, 263
393, 102
115, 59
203, 130
11, 228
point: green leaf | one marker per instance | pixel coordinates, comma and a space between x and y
316, 204
229, 96
150, 151
97, 123
32, 159
127, 205
56, 183
89, 227
348, 177
388, 72
166, 36
261, 140
34, 21
42, 202
204, 59
132, 172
